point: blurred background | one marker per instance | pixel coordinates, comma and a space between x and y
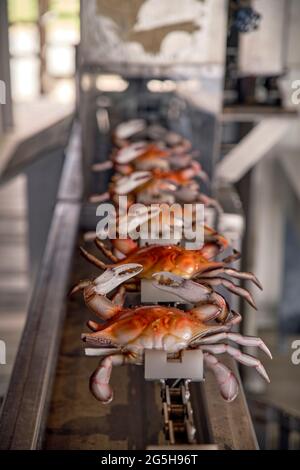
225, 74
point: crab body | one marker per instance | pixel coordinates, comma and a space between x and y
152, 327
200, 265
171, 258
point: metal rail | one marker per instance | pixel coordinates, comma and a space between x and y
25, 408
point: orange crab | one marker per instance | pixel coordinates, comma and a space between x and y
159, 186
127, 132
127, 332
150, 186
140, 156
196, 264
149, 156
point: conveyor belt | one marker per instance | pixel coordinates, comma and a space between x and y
75, 420
134, 419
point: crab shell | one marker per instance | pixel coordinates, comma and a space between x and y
152, 327
171, 258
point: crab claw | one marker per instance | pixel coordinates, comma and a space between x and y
131, 152
113, 277
126, 184
127, 129
188, 290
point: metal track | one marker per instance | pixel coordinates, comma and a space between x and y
179, 426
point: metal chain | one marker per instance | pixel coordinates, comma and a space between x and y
177, 413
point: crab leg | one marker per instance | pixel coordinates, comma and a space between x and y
237, 338
80, 286
235, 319
210, 250
94, 326
212, 304
105, 250
234, 273
92, 259
99, 381
123, 247
210, 202
236, 255
119, 297
89, 236
243, 358
211, 235
220, 281
94, 292
225, 377
97, 198
206, 312
103, 166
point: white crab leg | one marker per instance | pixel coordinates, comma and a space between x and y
245, 359
234, 273
89, 236
226, 379
235, 319
231, 286
126, 184
99, 381
239, 339
98, 167
101, 351
97, 198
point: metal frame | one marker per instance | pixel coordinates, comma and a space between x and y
26, 406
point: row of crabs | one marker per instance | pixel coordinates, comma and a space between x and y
125, 333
